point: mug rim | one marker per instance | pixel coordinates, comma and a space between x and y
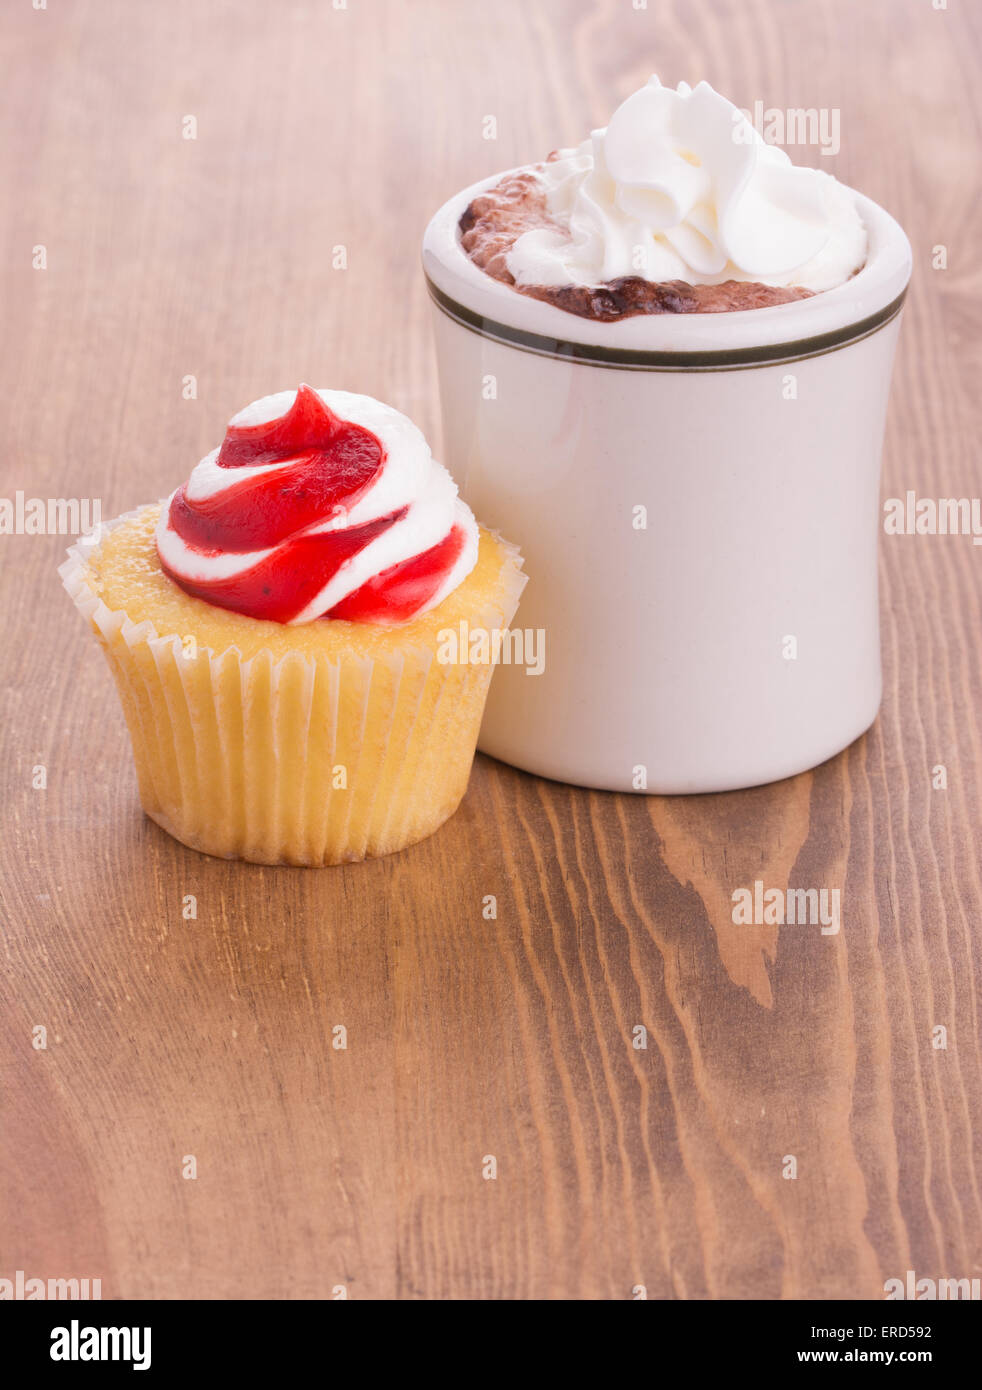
827, 321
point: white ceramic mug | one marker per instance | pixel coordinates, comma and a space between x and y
697, 500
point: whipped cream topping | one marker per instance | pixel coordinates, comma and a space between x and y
319, 504
680, 186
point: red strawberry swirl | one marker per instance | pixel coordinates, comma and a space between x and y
319, 504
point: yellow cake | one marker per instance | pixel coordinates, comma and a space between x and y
314, 743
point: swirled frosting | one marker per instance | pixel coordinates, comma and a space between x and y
319, 504
680, 186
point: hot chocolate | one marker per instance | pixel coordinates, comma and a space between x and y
677, 207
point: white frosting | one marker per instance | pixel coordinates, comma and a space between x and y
680, 186
410, 477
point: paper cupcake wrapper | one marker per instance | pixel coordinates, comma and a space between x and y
297, 760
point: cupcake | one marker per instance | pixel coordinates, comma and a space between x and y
278, 633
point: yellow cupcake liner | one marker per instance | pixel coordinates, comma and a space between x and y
297, 760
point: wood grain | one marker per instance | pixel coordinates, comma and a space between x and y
467, 1037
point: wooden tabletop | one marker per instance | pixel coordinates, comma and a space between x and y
183, 277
